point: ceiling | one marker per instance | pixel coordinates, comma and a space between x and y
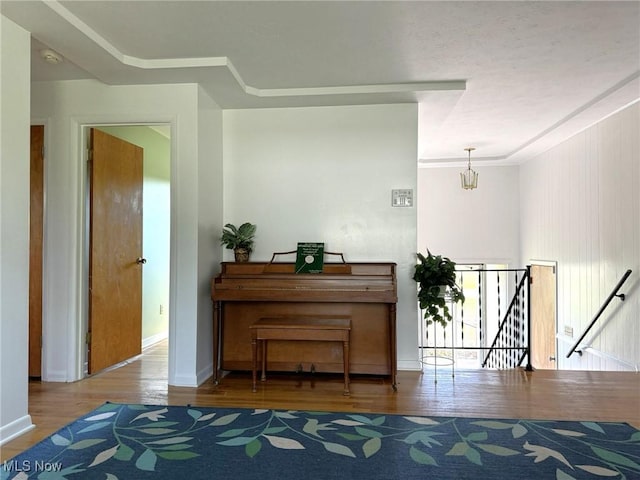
509, 78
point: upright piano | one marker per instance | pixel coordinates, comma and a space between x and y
365, 292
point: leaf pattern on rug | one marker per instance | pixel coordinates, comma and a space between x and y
149, 438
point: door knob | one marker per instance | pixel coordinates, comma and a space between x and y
552, 359
141, 261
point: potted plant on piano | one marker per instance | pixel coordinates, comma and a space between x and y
436, 278
239, 239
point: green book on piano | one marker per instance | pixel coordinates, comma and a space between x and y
310, 258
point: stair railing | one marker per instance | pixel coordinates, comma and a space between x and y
511, 333
614, 293
511, 344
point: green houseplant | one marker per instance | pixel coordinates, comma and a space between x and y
436, 278
239, 239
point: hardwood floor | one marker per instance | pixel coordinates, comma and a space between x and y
543, 394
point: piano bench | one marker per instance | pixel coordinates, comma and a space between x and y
333, 329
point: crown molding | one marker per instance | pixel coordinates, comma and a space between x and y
200, 62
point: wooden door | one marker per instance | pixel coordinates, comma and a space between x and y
36, 222
543, 316
115, 250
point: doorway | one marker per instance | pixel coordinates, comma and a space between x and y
36, 246
152, 319
543, 315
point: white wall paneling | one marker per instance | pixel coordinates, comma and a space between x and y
580, 206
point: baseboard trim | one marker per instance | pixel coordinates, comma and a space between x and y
410, 365
204, 374
59, 376
153, 339
15, 429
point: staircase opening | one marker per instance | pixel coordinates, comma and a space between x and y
490, 330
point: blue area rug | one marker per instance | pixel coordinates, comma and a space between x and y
156, 442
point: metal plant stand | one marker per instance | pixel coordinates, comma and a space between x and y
423, 358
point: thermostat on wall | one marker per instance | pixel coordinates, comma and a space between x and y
402, 198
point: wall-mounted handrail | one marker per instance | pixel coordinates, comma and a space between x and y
614, 293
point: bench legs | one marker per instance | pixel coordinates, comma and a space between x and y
345, 358
264, 361
254, 358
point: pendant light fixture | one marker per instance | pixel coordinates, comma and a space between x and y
469, 178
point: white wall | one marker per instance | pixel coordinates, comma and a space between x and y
480, 225
325, 174
580, 207
67, 106
15, 70
210, 209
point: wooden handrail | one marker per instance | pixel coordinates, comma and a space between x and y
614, 293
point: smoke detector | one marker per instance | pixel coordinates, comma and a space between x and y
50, 56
